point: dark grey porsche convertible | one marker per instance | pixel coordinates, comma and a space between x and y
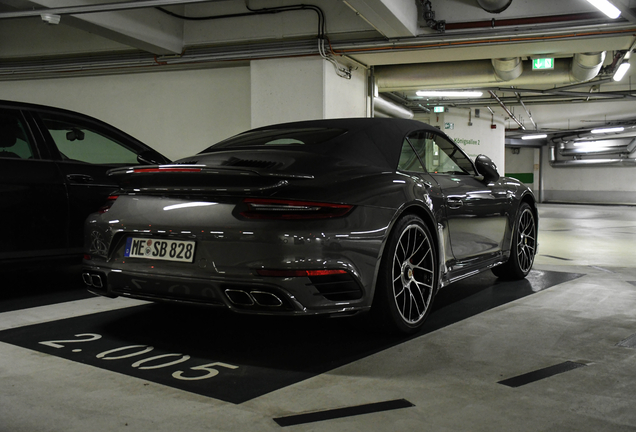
316, 217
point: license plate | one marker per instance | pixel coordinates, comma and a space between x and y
168, 250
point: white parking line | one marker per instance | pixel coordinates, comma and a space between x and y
54, 312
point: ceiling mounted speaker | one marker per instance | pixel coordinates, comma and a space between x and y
494, 6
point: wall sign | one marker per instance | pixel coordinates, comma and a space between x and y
542, 64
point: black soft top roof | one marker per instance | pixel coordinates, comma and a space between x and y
368, 141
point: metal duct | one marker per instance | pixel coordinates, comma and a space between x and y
481, 73
385, 108
508, 68
494, 6
618, 162
586, 66
594, 152
587, 134
594, 163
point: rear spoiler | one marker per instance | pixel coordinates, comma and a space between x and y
203, 169
192, 178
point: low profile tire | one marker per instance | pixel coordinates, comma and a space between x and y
407, 281
523, 248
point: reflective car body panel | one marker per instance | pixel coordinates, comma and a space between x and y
53, 166
293, 224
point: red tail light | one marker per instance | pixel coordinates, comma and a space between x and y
298, 273
108, 204
264, 208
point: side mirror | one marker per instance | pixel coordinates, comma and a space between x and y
486, 168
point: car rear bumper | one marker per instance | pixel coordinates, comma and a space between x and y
303, 295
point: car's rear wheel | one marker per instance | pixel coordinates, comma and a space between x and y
523, 247
408, 277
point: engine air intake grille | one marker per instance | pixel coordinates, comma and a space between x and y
251, 163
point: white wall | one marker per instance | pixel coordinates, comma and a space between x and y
522, 164
304, 88
286, 90
477, 139
589, 185
345, 97
178, 113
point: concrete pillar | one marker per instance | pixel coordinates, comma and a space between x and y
304, 88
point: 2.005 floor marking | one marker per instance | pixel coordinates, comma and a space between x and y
209, 368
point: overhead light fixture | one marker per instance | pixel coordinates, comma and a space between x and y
621, 71
534, 137
450, 93
50, 18
608, 130
606, 7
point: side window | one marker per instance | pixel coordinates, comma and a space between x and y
78, 142
14, 141
444, 157
413, 152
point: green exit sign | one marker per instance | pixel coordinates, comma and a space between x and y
438, 109
542, 63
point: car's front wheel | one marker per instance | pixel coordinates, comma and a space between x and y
407, 282
523, 247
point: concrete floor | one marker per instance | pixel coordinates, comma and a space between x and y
447, 378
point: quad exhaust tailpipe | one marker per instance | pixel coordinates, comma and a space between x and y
253, 298
93, 280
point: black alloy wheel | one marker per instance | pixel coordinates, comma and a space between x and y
407, 282
523, 247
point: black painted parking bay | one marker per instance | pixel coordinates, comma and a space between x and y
236, 358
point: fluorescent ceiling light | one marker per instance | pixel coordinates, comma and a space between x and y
445, 93
533, 137
621, 71
608, 130
606, 7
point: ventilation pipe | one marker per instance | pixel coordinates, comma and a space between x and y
586, 66
383, 107
508, 69
486, 73
588, 135
494, 6
617, 162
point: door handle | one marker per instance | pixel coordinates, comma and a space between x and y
80, 178
455, 203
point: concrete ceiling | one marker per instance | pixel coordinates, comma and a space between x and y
456, 36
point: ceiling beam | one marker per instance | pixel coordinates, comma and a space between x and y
392, 18
146, 30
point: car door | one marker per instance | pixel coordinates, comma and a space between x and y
33, 210
476, 211
86, 149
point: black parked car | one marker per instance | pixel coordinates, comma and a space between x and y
318, 217
53, 165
